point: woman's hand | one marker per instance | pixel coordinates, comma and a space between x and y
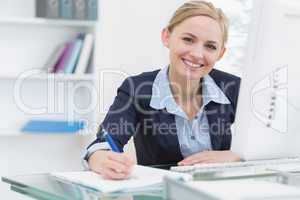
111, 165
210, 157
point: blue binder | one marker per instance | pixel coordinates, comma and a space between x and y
92, 9
49, 126
79, 9
66, 9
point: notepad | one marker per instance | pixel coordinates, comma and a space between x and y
141, 178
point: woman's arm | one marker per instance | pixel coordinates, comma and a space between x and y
120, 122
210, 157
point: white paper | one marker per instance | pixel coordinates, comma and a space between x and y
141, 177
245, 189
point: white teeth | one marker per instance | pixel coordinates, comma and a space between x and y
192, 64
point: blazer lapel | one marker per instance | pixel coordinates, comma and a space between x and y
168, 136
212, 110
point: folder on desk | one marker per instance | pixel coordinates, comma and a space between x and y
142, 178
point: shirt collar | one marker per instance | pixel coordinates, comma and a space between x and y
162, 96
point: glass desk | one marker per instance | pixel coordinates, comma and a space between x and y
46, 187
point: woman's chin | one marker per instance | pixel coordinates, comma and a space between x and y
190, 76
193, 75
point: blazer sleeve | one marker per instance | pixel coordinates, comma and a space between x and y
121, 119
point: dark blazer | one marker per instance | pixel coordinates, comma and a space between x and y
154, 131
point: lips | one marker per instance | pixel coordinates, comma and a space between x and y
192, 65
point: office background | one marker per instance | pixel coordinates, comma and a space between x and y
127, 42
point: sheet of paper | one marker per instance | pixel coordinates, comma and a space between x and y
245, 189
290, 167
141, 177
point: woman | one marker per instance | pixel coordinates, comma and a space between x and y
178, 115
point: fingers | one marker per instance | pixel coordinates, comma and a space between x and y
111, 174
210, 157
111, 165
195, 161
195, 158
117, 166
121, 158
203, 157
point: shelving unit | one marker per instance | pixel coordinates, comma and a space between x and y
29, 42
28, 92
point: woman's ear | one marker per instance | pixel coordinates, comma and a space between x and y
165, 37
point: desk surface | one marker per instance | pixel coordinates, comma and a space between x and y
46, 187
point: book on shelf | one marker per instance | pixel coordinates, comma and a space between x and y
73, 56
85, 54
52, 126
47, 8
60, 65
66, 9
53, 59
92, 9
79, 9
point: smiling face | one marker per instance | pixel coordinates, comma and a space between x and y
195, 45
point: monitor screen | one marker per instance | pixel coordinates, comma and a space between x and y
268, 114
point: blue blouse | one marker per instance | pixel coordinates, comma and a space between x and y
193, 135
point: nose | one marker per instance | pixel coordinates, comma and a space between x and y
197, 52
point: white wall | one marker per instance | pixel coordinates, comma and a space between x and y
130, 41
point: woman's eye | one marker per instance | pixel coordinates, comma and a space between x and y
187, 39
212, 47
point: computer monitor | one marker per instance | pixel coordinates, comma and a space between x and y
267, 122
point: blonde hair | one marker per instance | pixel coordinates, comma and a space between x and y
200, 8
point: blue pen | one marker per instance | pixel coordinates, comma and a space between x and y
111, 142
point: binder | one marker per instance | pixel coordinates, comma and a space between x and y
79, 9
52, 126
53, 59
61, 63
73, 57
92, 9
47, 8
66, 9
85, 54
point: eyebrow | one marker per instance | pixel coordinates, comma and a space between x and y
193, 36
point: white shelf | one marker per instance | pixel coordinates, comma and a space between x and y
15, 133
47, 22
63, 77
